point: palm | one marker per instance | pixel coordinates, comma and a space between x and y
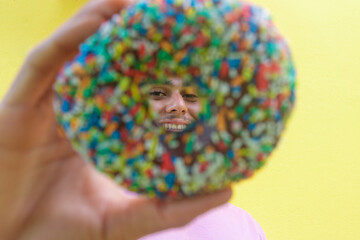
46, 190
29, 138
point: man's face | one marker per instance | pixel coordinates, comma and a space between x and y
176, 105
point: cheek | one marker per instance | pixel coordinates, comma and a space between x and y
156, 106
194, 109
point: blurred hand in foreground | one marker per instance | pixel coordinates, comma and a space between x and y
46, 190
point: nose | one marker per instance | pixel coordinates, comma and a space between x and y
176, 104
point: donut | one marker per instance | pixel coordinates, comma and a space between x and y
226, 65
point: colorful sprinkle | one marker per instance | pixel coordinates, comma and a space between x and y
234, 55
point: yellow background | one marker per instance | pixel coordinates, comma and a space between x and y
310, 188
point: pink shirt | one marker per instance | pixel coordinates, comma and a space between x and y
226, 222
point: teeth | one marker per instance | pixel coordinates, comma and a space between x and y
174, 126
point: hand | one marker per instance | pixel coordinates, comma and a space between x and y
46, 190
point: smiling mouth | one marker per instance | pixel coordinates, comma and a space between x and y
175, 124
174, 127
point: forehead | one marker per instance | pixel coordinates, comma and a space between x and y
175, 82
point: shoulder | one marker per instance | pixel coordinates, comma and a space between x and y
227, 222
232, 222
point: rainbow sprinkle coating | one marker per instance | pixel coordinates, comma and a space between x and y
230, 50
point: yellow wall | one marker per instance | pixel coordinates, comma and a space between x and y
310, 188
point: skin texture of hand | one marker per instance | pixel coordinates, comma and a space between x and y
46, 190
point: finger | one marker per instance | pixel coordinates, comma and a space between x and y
144, 216
42, 64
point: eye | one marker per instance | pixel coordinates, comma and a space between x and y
190, 97
157, 93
